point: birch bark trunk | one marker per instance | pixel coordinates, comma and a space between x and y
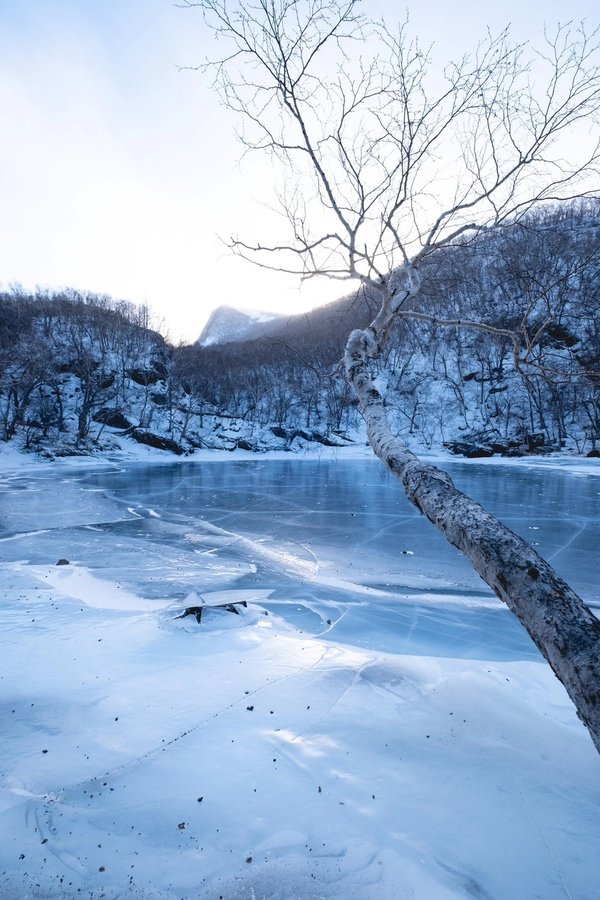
564, 629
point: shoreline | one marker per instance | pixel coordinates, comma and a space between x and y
14, 460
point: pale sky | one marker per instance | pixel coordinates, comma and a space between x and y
118, 172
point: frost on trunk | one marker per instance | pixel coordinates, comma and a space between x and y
564, 629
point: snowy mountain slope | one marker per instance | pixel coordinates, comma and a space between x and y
227, 324
76, 370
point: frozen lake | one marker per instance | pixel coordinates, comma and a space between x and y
374, 723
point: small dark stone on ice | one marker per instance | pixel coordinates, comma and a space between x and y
200, 799
45, 841
63, 562
22, 856
250, 708
181, 825
44, 751
102, 869
249, 859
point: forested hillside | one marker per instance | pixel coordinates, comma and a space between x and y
80, 371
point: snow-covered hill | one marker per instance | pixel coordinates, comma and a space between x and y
77, 371
228, 324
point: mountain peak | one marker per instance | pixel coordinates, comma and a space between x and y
229, 324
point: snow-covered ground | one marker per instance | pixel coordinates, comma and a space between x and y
373, 725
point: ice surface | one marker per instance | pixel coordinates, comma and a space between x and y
374, 724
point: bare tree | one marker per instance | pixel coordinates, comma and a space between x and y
384, 163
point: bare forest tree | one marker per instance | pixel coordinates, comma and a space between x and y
386, 162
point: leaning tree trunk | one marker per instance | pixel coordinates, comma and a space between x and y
561, 625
